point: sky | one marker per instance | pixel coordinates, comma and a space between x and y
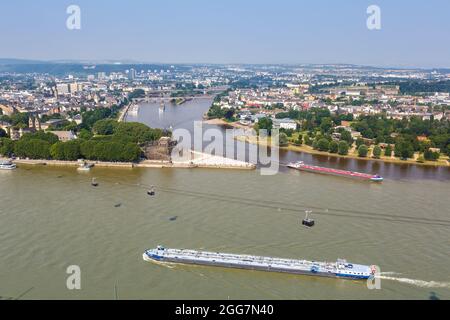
414, 33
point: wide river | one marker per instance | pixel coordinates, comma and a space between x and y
51, 218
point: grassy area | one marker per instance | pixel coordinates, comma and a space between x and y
352, 153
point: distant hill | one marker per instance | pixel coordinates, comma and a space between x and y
7, 61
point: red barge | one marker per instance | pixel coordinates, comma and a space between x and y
300, 165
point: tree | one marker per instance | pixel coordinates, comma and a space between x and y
32, 148
136, 132
362, 151
403, 149
308, 141
323, 144
346, 136
71, 150
376, 152
84, 134
41, 135
6, 147
105, 126
137, 93
359, 142
343, 148
430, 155
388, 151
333, 147
283, 139
299, 140
57, 151
264, 124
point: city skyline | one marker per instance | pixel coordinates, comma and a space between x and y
227, 32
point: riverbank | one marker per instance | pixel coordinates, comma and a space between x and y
221, 122
195, 160
310, 150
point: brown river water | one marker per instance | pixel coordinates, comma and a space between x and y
52, 218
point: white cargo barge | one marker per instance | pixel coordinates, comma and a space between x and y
339, 269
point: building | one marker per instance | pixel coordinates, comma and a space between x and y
285, 123
62, 88
64, 135
132, 74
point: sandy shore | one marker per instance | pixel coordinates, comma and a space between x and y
310, 150
221, 122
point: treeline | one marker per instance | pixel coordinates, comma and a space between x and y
121, 144
321, 130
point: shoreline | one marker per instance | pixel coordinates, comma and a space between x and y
200, 160
221, 122
310, 150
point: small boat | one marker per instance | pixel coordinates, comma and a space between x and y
85, 166
173, 218
307, 222
7, 165
118, 205
94, 182
151, 191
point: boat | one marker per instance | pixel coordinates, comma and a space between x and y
85, 167
94, 182
339, 269
308, 222
151, 191
300, 165
7, 165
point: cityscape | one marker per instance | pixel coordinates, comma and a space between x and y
156, 174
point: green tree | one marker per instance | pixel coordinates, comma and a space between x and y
264, 124
105, 126
430, 155
41, 135
308, 141
388, 151
84, 134
283, 138
299, 140
323, 144
72, 150
376, 152
32, 148
403, 149
359, 142
136, 132
362, 151
6, 147
57, 151
333, 147
343, 148
347, 136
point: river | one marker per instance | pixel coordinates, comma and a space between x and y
51, 218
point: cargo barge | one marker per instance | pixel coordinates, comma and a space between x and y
339, 269
300, 165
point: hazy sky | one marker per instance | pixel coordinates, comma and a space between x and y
413, 32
